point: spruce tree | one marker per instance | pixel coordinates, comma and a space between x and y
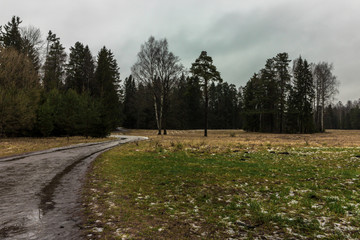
106, 88
80, 69
74, 75
54, 67
10, 36
270, 97
283, 78
303, 95
129, 104
253, 94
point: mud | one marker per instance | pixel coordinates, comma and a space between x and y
40, 192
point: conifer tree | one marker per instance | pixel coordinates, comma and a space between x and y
206, 71
106, 88
54, 67
270, 97
283, 81
253, 94
10, 36
80, 69
194, 103
129, 109
303, 95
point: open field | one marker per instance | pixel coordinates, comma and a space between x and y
247, 186
222, 138
13, 146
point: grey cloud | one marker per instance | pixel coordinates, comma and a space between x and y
239, 35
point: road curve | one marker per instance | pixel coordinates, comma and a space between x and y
39, 191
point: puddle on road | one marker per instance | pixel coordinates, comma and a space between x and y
26, 229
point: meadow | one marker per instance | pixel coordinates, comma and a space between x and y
230, 185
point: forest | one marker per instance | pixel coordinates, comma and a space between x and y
48, 91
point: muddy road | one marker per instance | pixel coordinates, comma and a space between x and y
40, 192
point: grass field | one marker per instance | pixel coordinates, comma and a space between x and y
231, 185
13, 146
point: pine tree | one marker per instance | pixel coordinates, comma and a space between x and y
204, 69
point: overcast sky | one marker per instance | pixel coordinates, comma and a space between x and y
239, 34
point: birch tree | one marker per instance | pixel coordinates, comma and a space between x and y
326, 86
159, 68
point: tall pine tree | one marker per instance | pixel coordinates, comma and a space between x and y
206, 71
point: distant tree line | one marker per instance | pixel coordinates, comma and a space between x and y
186, 105
341, 116
46, 92
53, 96
280, 99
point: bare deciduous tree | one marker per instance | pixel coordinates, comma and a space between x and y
326, 87
158, 68
33, 45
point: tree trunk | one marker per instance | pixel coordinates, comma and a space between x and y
158, 120
164, 114
322, 105
206, 108
322, 115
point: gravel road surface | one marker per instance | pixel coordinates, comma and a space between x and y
40, 191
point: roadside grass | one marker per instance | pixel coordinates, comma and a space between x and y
14, 146
176, 187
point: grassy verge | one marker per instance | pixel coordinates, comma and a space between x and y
13, 146
188, 189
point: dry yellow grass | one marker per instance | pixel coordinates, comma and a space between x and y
217, 139
236, 138
13, 146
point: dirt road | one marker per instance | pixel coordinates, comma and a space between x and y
39, 192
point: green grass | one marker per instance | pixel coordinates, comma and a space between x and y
149, 191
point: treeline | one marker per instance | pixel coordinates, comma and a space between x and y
52, 94
46, 92
341, 116
186, 105
280, 100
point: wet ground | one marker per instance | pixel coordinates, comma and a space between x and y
40, 192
